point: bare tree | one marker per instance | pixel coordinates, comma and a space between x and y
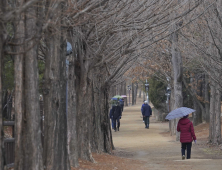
31, 136
72, 108
1, 64
55, 124
108, 38
19, 66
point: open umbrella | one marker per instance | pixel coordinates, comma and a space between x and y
123, 96
118, 96
116, 99
179, 112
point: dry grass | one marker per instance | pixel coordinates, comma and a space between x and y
110, 162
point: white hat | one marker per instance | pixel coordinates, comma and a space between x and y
146, 102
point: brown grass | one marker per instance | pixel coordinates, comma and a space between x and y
109, 162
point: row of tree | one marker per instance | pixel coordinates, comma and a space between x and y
108, 38
189, 61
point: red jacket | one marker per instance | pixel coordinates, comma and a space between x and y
185, 126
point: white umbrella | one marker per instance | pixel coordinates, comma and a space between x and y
179, 112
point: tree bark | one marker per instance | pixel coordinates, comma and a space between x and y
177, 78
172, 122
140, 93
133, 94
206, 99
197, 115
144, 96
212, 111
31, 133
217, 134
55, 123
1, 114
72, 112
106, 127
102, 138
218, 74
19, 78
125, 93
84, 103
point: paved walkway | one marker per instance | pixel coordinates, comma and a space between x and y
155, 147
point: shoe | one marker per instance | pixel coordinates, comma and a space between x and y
183, 157
118, 129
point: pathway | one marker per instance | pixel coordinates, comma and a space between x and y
157, 150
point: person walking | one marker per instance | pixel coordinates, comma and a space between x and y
147, 112
142, 109
116, 114
187, 135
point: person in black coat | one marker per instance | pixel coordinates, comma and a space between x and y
142, 110
116, 114
147, 112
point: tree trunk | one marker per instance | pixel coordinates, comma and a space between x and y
206, 99
177, 81
1, 115
125, 93
84, 102
97, 140
31, 132
144, 96
140, 93
171, 122
212, 111
106, 127
122, 88
104, 135
217, 134
84, 116
112, 91
133, 94
197, 115
19, 88
55, 122
72, 112
218, 74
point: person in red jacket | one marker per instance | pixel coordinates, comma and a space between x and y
187, 135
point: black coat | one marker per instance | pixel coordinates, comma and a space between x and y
116, 111
146, 110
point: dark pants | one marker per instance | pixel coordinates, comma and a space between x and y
146, 121
116, 120
186, 146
